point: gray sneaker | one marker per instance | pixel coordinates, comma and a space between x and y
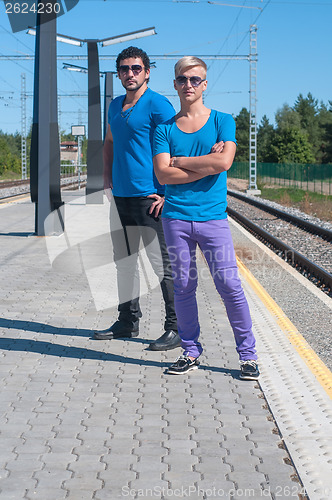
249, 370
183, 364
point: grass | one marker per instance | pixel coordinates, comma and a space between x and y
318, 205
10, 176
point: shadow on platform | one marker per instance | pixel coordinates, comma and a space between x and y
63, 351
22, 234
35, 326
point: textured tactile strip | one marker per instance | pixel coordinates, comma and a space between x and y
299, 404
260, 464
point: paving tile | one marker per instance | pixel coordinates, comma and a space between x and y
80, 495
41, 493
50, 477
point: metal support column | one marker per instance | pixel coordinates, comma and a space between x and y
108, 97
45, 149
94, 185
59, 122
79, 153
24, 126
252, 108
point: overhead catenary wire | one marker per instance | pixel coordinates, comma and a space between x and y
16, 38
227, 38
210, 42
26, 69
237, 48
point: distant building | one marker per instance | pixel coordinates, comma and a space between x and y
69, 151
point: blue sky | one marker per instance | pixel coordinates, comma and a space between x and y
294, 51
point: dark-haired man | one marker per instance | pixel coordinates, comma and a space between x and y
138, 196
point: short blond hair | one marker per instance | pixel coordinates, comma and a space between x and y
189, 62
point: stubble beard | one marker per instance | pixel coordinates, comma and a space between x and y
133, 88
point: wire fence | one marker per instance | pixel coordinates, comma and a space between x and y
72, 169
309, 177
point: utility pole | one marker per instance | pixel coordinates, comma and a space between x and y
253, 115
24, 126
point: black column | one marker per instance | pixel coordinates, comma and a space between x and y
45, 148
95, 184
108, 97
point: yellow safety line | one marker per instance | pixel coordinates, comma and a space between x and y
316, 365
4, 202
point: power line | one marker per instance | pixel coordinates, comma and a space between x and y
104, 57
207, 43
9, 84
16, 38
228, 36
230, 31
303, 3
233, 5
15, 62
239, 45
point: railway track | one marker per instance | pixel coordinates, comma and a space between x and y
22, 182
9, 184
304, 245
9, 187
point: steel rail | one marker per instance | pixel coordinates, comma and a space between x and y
17, 195
8, 184
3, 199
322, 278
303, 224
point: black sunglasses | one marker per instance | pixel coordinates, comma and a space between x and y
195, 81
135, 68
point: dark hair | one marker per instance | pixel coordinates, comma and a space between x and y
133, 52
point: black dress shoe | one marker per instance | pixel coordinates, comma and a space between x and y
169, 340
119, 330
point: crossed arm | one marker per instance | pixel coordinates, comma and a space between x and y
182, 170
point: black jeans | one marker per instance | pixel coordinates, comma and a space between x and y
131, 225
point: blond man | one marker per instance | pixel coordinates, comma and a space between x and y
194, 214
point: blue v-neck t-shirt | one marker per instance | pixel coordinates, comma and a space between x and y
204, 199
132, 171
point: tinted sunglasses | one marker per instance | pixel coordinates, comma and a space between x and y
195, 81
135, 68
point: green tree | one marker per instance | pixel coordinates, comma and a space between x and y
287, 117
9, 162
325, 124
242, 135
291, 145
307, 108
265, 137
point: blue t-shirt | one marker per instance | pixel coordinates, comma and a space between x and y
205, 199
132, 131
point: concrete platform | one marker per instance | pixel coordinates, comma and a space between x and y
87, 419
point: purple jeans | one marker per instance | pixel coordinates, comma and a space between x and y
215, 241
